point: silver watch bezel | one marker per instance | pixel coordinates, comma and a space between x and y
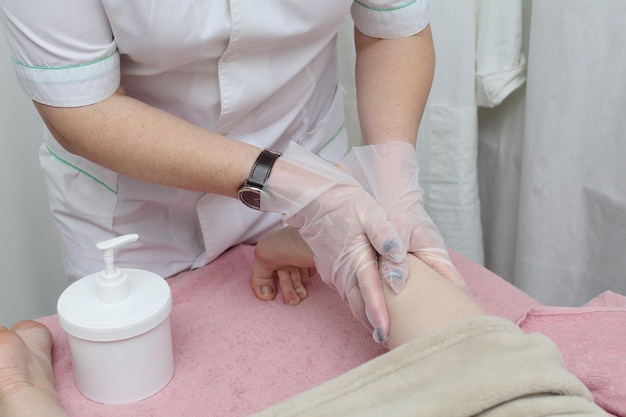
250, 196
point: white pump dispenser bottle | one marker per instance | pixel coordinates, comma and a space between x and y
112, 283
118, 330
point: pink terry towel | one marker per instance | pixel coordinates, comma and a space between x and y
592, 339
235, 355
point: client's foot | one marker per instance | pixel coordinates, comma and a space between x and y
26, 381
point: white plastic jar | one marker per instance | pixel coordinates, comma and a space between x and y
118, 330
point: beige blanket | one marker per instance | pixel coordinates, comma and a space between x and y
482, 366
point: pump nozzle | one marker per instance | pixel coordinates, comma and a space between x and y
113, 286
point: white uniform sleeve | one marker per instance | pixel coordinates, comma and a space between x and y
390, 18
500, 62
63, 51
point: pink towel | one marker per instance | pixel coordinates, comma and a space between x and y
497, 296
592, 339
235, 355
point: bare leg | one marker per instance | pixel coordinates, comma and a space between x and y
26, 382
427, 303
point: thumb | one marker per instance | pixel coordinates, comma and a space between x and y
395, 274
262, 281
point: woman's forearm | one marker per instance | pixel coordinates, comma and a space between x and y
148, 144
393, 80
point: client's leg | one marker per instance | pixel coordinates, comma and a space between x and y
428, 302
459, 361
26, 383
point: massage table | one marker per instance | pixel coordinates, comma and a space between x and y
236, 355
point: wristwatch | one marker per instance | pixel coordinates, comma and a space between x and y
250, 191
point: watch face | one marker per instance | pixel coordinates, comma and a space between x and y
250, 196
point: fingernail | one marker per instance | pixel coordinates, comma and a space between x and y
378, 335
396, 280
294, 302
388, 245
301, 292
394, 251
266, 290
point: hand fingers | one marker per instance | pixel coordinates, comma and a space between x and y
262, 281
384, 237
355, 302
394, 265
291, 286
427, 244
371, 289
394, 274
290, 281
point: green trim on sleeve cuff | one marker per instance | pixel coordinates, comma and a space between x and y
391, 9
61, 67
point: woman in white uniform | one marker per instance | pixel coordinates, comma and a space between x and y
160, 114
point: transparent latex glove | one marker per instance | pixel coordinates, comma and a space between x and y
389, 172
343, 225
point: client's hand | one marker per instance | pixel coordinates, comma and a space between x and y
282, 255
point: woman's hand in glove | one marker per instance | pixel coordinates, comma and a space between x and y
343, 225
389, 172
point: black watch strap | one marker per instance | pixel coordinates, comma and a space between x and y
262, 167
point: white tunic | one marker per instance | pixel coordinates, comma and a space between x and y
263, 73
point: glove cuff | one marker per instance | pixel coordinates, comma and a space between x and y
298, 178
381, 169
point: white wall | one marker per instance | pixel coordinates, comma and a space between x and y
31, 275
